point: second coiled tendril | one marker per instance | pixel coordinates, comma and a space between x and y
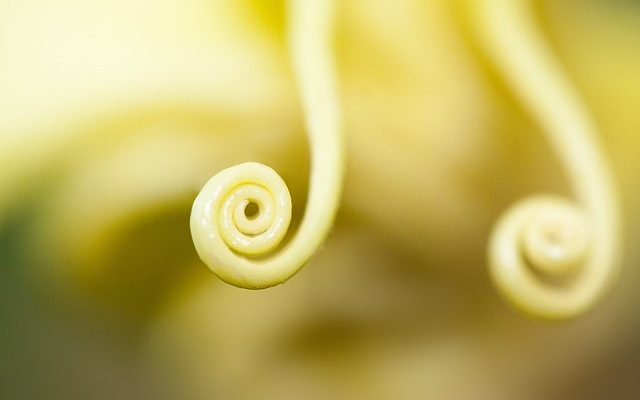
551, 257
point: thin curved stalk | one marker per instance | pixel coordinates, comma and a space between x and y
551, 257
224, 236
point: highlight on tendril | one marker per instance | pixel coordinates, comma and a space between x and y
551, 257
242, 214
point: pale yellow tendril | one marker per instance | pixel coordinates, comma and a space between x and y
227, 236
551, 257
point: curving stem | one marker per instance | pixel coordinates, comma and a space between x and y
238, 245
551, 257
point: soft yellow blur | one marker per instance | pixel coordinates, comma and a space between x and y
115, 113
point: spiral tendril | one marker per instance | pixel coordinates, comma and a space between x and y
551, 257
240, 248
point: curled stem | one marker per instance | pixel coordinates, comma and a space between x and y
551, 257
227, 237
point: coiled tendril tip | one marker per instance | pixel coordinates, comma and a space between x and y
241, 247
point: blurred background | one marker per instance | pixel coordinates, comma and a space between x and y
113, 114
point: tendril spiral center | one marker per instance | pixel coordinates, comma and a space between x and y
555, 240
224, 200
